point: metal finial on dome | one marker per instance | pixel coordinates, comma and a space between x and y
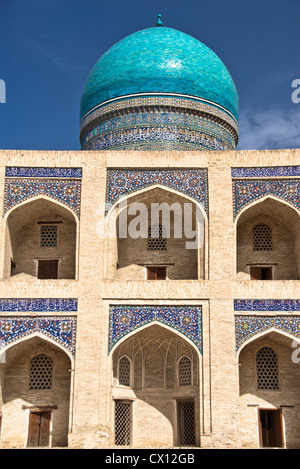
159, 21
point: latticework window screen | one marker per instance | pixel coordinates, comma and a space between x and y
124, 371
41, 369
122, 423
267, 369
48, 235
262, 238
156, 238
185, 371
186, 423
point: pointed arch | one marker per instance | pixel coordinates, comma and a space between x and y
5, 347
183, 217
284, 221
122, 201
185, 370
161, 325
264, 333
46, 198
261, 200
25, 220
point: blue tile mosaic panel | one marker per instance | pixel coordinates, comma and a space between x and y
61, 329
65, 191
191, 182
266, 172
54, 305
33, 172
167, 138
184, 319
267, 305
247, 191
247, 327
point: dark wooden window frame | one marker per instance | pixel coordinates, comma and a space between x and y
156, 272
41, 275
261, 271
270, 438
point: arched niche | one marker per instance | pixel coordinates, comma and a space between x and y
260, 258
28, 389
40, 240
269, 382
155, 392
182, 225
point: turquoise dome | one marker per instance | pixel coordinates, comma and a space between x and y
160, 60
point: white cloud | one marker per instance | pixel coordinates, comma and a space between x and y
271, 129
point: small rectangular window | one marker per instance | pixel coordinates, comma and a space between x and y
122, 423
186, 423
156, 273
48, 269
48, 235
261, 273
157, 238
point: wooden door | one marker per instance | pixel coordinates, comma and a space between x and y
156, 273
48, 269
39, 429
270, 428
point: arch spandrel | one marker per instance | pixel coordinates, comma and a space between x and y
248, 328
126, 320
61, 185
59, 330
247, 193
192, 183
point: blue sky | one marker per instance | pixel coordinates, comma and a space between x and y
47, 49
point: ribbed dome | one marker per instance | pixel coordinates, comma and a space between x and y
160, 60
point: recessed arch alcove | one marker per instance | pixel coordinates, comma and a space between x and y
267, 238
35, 382
269, 383
181, 233
163, 376
40, 240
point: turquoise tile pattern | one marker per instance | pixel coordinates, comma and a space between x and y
159, 89
160, 60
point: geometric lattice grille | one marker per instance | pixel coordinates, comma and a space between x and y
124, 372
156, 238
122, 423
262, 238
48, 235
41, 367
267, 369
186, 423
185, 372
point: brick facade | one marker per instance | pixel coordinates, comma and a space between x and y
191, 313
